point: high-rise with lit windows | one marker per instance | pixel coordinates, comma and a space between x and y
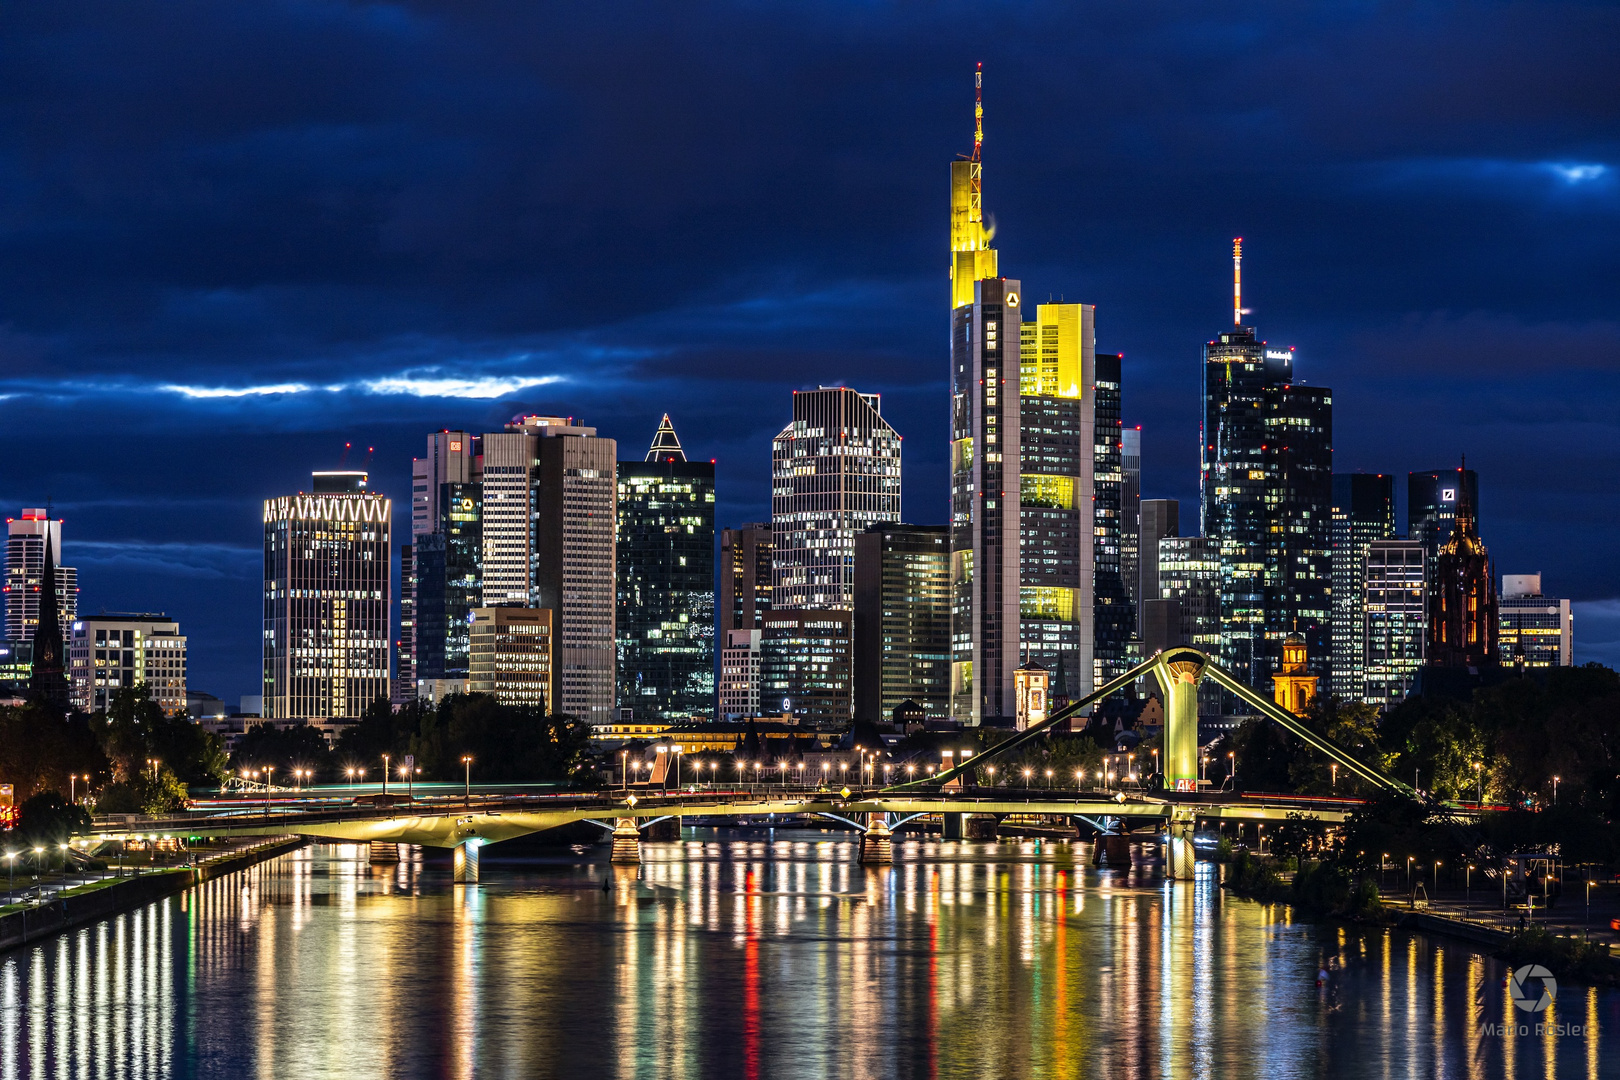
1266, 451
327, 587
665, 552
835, 469
111, 652
1393, 623
25, 573
1533, 631
1363, 511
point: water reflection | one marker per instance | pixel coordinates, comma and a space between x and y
759, 955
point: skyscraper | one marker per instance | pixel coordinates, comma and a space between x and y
1431, 504
902, 619
1057, 469
986, 464
806, 665
1130, 514
510, 655
1363, 511
1190, 575
1113, 617
1535, 631
1267, 498
835, 469
1462, 596
1393, 623
434, 601
1158, 518
665, 555
327, 585
26, 539
745, 576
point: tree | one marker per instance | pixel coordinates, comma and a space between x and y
135, 731
155, 791
296, 747
39, 749
47, 819
1350, 725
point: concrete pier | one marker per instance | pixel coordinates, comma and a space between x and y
980, 827
626, 842
877, 843
465, 861
382, 852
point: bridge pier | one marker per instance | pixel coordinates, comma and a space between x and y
465, 861
950, 825
1180, 862
382, 852
1112, 850
626, 842
877, 842
979, 827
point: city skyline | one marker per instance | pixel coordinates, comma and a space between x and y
1374, 275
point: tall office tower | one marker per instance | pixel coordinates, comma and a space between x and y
448, 581
1057, 477
1534, 631
452, 458
110, 652
548, 509
405, 644
972, 258
1130, 514
1159, 518
805, 667
1462, 597
1363, 511
835, 469
1113, 617
986, 465
1394, 627
1431, 505
666, 583
1190, 575
25, 572
745, 576
739, 672
327, 585
1267, 497
902, 619
510, 655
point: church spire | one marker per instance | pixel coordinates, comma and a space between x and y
666, 445
48, 679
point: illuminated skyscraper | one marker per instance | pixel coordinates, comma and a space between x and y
25, 573
665, 553
1392, 624
1462, 596
745, 576
1536, 631
902, 619
1130, 514
835, 469
1267, 499
972, 258
436, 590
327, 585
1363, 511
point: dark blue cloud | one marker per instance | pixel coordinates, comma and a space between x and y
357, 222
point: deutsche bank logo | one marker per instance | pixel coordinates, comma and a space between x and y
1533, 988
1448, 494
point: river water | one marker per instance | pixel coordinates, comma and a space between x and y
754, 954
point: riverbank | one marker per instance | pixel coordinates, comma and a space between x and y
24, 923
1326, 892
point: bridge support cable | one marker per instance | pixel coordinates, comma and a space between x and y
1292, 724
1031, 732
857, 826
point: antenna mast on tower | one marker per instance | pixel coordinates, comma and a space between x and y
1237, 282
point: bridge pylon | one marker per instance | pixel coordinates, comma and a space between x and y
1178, 672
1180, 862
464, 861
626, 842
877, 842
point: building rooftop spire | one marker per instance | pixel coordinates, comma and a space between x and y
666, 445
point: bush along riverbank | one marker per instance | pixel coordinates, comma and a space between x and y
1325, 890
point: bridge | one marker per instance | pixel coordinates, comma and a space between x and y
466, 827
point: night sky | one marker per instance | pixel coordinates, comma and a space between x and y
234, 237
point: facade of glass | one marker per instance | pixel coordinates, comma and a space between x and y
1363, 511
449, 582
1394, 600
805, 666
1113, 617
510, 655
327, 586
745, 576
835, 469
1535, 631
107, 653
902, 619
665, 553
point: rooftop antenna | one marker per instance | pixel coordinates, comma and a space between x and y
978, 109
1237, 281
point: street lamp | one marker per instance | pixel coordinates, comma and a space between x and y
350, 772
1335, 767
1027, 772
385, 776
1468, 887
1479, 774
1231, 768
1048, 779
1079, 778
1437, 876
989, 769
624, 770
1555, 791
269, 776
1155, 762
677, 748
466, 762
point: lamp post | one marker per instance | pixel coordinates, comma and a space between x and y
466, 762
11, 857
350, 772
1437, 876
1048, 779
1027, 772
624, 770
677, 749
269, 776
1468, 887
1155, 762
1335, 767
1079, 778
1555, 791
1231, 768
1479, 775
385, 776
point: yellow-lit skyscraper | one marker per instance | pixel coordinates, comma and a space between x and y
972, 257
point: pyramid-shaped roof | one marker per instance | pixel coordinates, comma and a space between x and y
666, 445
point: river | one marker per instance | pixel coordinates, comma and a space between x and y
755, 954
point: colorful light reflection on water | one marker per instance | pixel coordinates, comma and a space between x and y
760, 955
